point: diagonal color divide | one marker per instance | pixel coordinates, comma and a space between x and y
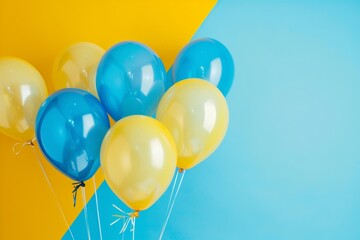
289, 165
37, 31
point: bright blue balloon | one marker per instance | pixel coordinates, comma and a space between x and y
169, 81
70, 127
130, 80
207, 59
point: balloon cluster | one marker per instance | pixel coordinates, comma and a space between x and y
161, 123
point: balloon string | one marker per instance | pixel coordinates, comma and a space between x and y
17, 150
76, 186
172, 204
85, 212
172, 191
127, 219
133, 222
123, 233
97, 207
52, 190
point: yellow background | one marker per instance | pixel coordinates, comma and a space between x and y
37, 31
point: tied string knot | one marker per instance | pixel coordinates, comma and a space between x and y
127, 217
18, 147
135, 214
76, 186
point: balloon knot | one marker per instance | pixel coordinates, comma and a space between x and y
30, 143
76, 186
181, 170
134, 214
128, 218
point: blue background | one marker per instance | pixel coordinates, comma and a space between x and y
289, 167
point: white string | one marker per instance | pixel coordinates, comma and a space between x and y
133, 221
172, 191
123, 233
172, 205
123, 229
15, 147
85, 212
97, 208
127, 219
23, 144
53, 191
115, 221
119, 208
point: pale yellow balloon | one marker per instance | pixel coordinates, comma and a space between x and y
138, 158
76, 67
196, 114
22, 90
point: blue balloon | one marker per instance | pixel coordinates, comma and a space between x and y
206, 59
70, 127
130, 80
169, 81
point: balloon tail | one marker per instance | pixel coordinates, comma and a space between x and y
85, 212
52, 189
97, 208
182, 171
76, 186
128, 218
18, 147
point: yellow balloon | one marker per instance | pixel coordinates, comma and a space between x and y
196, 114
22, 90
76, 67
138, 158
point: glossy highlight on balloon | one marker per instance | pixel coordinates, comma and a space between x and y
22, 90
70, 127
130, 80
206, 59
138, 158
76, 67
196, 114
